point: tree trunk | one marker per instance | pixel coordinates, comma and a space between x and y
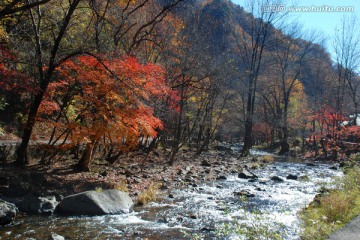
323, 146
21, 153
247, 138
173, 153
44, 80
285, 134
285, 147
86, 158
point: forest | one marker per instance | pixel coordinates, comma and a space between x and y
130, 74
103, 80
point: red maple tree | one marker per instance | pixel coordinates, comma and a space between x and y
104, 101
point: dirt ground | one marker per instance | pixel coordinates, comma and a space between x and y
133, 172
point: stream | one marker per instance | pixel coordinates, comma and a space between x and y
198, 212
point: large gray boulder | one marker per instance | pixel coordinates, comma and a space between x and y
7, 212
95, 203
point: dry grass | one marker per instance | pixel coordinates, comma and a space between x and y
335, 209
149, 194
121, 186
267, 159
337, 206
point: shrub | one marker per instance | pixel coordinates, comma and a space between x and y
150, 194
355, 157
267, 159
121, 186
336, 208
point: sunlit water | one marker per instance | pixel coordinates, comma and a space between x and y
196, 211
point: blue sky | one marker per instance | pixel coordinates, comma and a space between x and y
322, 21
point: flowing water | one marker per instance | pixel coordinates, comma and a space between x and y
198, 210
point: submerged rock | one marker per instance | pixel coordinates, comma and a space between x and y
221, 177
245, 193
334, 167
205, 163
246, 174
277, 179
96, 203
292, 177
7, 212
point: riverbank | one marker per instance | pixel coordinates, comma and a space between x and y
134, 173
268, 202
333, 208
138, 172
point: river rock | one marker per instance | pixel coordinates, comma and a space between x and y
334, 167
246, 174
181, 172
47, 204
292, 177
277, 179
7, 212
245, 193
260, 189
205, 163
263, 181
95, 203
221, 177
55, 236
222, 148
36, 205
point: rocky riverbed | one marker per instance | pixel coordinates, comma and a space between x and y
199, 194
37, 189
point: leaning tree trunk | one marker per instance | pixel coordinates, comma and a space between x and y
21, 153
44, 78
87, 157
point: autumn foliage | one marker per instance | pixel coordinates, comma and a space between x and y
107, 100
8, 72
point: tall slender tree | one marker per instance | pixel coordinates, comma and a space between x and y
251, 45
347, 56
291, 52
43, 74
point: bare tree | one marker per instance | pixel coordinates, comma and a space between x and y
251, 45
347, 56
15, 6
291, 52
44, 76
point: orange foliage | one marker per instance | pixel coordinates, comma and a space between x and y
95, 100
